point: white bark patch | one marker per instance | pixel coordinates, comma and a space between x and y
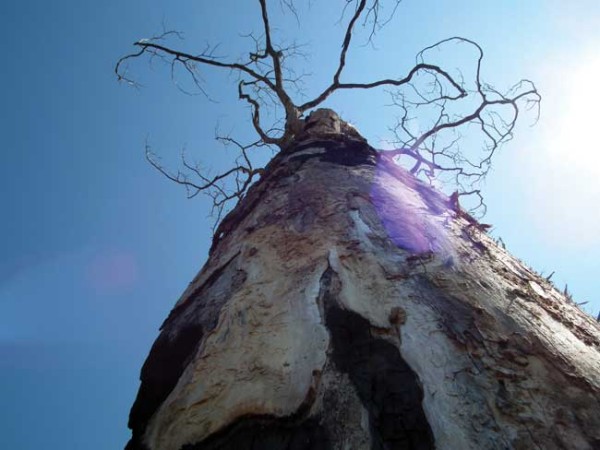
538, 289
260, 359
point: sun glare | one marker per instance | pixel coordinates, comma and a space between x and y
566, 183
578, 122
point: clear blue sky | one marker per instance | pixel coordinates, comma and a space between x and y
97, 247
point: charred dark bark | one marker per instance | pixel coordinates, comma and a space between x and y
387, 387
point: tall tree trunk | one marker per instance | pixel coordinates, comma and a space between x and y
347, 305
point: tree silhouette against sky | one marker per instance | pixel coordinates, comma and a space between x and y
438, 106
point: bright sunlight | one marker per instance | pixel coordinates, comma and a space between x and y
566, 167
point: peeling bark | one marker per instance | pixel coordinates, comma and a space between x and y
346, 305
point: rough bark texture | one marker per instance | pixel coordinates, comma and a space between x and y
346, 305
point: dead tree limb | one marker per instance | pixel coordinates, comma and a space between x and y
432, 92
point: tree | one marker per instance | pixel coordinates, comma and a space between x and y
445, 103
348, 304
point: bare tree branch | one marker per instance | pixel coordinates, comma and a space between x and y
495, 114
243, 175
386, 82
444, 100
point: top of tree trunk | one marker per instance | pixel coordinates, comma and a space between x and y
325, 123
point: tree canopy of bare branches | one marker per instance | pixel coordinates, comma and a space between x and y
445, 101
